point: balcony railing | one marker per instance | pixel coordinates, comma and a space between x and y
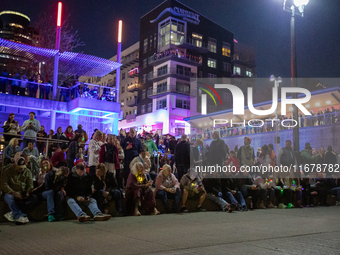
133, 87
183, 58
190, 43
131, 102
133, 72
178, 73
130, 60
154, 93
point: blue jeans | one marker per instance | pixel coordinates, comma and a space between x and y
164, 195
18, 206
336, 192
116, 196
237, 198
218, 200
91, 204
49, 196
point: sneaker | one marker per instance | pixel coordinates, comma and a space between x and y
282, 206
9, 217
102, 217
51, 218
271, 206
200, 209
290, 205
22, 220
261, 206
184, 210
84, 217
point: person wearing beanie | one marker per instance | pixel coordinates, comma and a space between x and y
17, 184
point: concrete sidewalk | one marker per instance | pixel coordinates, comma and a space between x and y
270, 231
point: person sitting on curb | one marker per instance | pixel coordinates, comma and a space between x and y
167, 186
78, 190
17, 185
192, 187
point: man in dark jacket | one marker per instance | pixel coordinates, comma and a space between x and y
132, 147
218, 151
182, 157
78, 190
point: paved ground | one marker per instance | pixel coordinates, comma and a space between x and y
288, 231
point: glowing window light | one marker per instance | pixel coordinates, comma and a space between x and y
120, 31
15, 13
60, 5
328, 102
15, 25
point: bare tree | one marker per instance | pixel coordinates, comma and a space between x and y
46, 25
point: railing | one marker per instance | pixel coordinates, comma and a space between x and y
169, 89
268, 126
127, 59
132, 88
44, 90
175, 55
173, 71
194, 42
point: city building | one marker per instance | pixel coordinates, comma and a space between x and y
15, 26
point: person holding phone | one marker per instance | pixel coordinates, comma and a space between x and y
31, 128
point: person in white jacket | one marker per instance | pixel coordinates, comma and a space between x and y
93, 152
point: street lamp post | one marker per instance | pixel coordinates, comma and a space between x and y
300, 5
277, 82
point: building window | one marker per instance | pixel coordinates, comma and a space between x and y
177, 32
212, 63
143, 93
226, 49
150, 45
183, 70
144, 78
183, 104
123, 76
249, 73
226, 67
162, 87
145, 62
197, 40
237, 70
122, 102
212, 44
161, 104
182, 87
154, 41
150, 75
145, 46
162, 70
200, 74
123, 89
149, 107
143, 108
165, 34
149, 92
212, 77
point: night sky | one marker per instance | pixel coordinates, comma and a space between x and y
258, 23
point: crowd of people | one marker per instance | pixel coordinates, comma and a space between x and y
76, 170
33, 86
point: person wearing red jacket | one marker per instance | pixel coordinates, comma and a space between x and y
58, 158
109, 156
233, 161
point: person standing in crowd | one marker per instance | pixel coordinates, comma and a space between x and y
11, 126
218, 151
132, 147
73, 150
172, 145
16, 84
139, 192
105, 188
69, 134
23, 85
150, 144
33, 158
167, 186
11, 149
59, 136
3, 81
80, 130
17, 185
286, 155
246, 153
119, 174
192, 187
41, 144
30, 127
33, 86
108, 155
58, 158
78, 190
94, 151
182, 157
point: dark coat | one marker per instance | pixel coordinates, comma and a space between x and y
182, 154
78, 185
217, 152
